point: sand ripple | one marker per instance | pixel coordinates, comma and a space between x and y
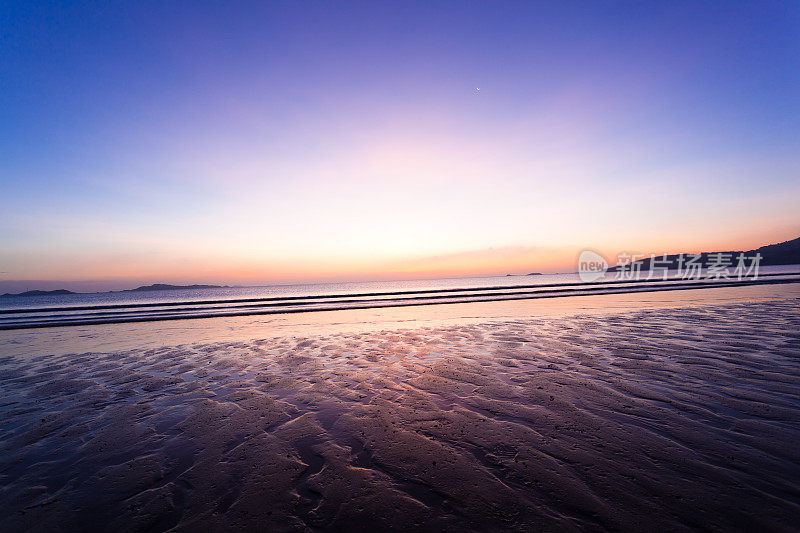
674, 419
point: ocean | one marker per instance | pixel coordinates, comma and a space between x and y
19, 312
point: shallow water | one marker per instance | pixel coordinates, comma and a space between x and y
307, 289
677, 414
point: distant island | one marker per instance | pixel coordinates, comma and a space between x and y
535, 274
56, 292
167, 287
784, 253
144, 288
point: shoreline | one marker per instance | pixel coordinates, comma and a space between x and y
153, 335
287, 305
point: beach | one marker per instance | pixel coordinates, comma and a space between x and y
645, 416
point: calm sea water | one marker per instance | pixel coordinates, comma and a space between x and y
317, 289
312, 289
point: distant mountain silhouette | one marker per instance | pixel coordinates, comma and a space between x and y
784, 253
166, 287
41, 293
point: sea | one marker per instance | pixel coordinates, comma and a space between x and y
20, 312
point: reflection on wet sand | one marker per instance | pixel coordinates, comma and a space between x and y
673, 418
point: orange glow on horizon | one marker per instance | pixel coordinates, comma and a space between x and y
517, 260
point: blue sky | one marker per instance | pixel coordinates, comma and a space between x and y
259, 142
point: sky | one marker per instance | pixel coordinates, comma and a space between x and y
276, 142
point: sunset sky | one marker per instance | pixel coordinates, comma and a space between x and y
279, 142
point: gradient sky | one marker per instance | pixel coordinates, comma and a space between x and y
263, 142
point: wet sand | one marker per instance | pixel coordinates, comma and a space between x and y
671, 418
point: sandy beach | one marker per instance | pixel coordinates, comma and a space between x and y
668, 418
